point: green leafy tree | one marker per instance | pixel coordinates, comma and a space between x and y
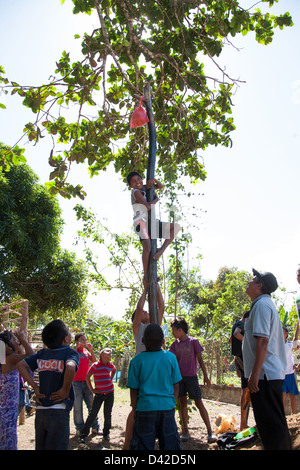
56, 286
32, 264
211, 307
30, 219
164, 43
105, 332
232, 301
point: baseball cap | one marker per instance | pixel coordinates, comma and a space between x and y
267, 279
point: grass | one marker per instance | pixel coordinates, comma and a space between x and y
122, 395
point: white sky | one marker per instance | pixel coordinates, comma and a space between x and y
251, 192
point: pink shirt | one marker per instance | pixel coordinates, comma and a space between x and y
186, 354
84, 364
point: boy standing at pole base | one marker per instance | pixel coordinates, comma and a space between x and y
153, 378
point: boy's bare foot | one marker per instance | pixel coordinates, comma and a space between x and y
158, 254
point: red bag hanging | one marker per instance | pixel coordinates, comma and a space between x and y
139, 116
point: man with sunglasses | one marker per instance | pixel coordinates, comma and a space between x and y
265, 362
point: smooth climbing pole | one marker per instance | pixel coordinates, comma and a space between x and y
152, 269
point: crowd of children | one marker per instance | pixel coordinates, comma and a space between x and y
156, 378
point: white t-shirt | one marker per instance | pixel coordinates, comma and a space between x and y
292, 355
140, 211
140, 347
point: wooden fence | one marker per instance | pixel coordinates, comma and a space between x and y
14, 315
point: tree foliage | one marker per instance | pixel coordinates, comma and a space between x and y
105, 332
32, 264
166, 43
210, 306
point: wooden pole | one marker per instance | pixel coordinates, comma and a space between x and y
152, 269
24, 320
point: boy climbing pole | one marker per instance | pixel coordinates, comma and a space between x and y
140, 205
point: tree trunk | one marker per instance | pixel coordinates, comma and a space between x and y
124, 367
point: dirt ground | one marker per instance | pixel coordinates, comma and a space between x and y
198, 440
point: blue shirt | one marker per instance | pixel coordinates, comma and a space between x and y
50, 364
153, 374
264, 322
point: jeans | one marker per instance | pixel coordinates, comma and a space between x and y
149, 425
21, 399
82, 394
108, 399
52, 429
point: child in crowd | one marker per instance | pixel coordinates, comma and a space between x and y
81, 389
153, 378
141, 206
24, 397
13, 348
56, 365
103, 372
188, 353
290, 385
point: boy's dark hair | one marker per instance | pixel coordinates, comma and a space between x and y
78, 335
54, 333
180, 323
131, 174
153, 337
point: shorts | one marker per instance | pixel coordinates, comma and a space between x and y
244, 381
160, 230
290, 385
190, 385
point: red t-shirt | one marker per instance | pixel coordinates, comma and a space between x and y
102, 376
84, 364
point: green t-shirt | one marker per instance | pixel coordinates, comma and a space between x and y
153, 374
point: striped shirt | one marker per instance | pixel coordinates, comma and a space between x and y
102, 376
